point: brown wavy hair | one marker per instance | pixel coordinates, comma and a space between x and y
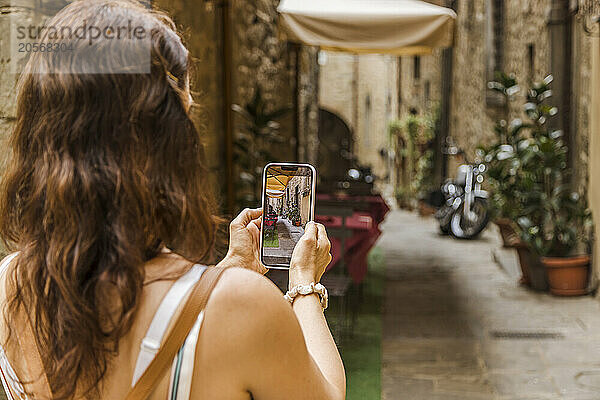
105, 170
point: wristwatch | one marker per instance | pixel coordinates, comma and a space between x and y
304, 290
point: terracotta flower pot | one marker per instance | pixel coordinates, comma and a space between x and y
533, 272
507, 231
568, 276
524, 261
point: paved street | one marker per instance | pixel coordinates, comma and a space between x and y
458, 327
288, 236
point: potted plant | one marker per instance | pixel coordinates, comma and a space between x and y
508, 175
402, 197
555, 220
504, 161
555, 235
294, 216
417, 134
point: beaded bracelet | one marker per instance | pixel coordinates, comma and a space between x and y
304, 290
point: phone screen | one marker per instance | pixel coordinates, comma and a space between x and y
288, 204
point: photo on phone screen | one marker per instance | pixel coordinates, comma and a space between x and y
288, 204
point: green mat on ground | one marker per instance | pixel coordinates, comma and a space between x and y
271, 238
361, 352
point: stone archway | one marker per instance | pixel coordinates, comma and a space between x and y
336, 142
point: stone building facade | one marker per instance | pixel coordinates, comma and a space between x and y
236, 47
206, 45
363, 91
420, 85
297, 195
514, 40
594, 148
532, 39
523, 39
513, 36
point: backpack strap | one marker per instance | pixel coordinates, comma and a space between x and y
158, 327
195, 303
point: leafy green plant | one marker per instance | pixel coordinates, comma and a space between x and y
403, 196
423, 182
528, 174
558, 224
554, 219
506, 86
257, 133
417, 133
294, 214
505, 156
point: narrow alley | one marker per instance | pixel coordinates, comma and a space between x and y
288, 235
457, 327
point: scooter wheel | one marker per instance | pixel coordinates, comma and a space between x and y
445, 229
476, 227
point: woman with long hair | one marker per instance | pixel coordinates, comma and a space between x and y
106, 207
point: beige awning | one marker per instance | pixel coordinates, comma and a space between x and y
401, 27
276, 183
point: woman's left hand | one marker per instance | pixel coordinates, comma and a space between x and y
244, 242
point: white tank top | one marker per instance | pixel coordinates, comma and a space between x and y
183, 365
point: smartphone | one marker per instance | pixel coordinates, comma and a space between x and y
288, 199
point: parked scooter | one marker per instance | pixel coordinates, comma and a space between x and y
464, 209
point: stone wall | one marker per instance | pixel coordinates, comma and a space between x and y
308, 105
422, 93
200, 25
363, 91
261, 59
526, 29
525, 39
581, 105
594, 149
7, 80
473, 113
469, 121
28, 12
337, 89
377, 106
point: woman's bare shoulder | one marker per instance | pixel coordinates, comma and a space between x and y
244, 310
240, 287
247, 299
247, 323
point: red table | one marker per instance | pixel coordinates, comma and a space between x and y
353, 226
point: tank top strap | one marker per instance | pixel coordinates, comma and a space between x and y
182, 372
12, 385
162, 318
6, 261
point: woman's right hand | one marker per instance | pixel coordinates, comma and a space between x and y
311, 256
